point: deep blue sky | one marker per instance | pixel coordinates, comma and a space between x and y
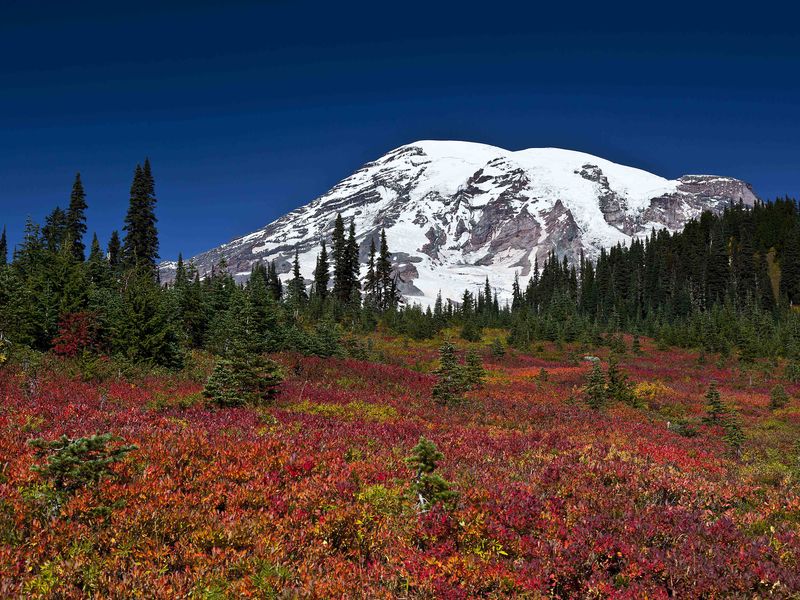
249, 109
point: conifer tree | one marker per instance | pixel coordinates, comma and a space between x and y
3, 248
778, 398
429, 487
383, 274
297, 285
371, 282
619, 388
353, 265
449, 387
716, 411
274, 283
341, 269
76, 218
114, 250
96, 264
595, 389
322, 273
474, 373
140, 246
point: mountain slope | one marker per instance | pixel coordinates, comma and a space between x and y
457, 212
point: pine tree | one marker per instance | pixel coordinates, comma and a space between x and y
383, 274
96, 264
142, 326
636, 345
297, 285
273, 282
243, 379
353, 265
595, 389
3, 248
474, 373
716, 411
341, 269
733, 436
76, 218
114, 250
140, 247
55, 229
618, 388
322, 273
428, 487
778, 398
371, 281
449, 387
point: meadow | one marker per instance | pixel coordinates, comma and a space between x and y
308, 496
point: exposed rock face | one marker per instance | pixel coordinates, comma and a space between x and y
457, 212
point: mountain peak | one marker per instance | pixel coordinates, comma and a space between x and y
457, 212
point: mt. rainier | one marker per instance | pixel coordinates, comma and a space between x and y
457, 212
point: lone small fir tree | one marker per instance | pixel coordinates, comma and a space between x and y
428, 487
474, 373
716, 411
778, 398
595, 390
449, 386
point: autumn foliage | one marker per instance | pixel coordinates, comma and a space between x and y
531, 493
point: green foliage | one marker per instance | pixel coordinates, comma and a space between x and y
497, 349
778, 398
450, 385
595, 390
792, 371
471, 331
73, 464
428, 487
473, 371
619, 387
243, 379
636, 345
716, 410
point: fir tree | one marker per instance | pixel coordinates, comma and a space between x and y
636, 345
341, 269
140, 247
474, 373
322, 273
3, 248
716, 411
619, 388
371, 281
76, 218
449, 387
114, 250
243, 379
297, 285
353, 266
428, 487
383, 275
595, 389
778, 398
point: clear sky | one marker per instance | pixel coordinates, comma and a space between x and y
250, 109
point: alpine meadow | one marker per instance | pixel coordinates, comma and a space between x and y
442, 369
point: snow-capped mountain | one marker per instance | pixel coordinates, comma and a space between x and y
457, 212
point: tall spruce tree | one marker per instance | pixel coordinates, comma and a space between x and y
114, 250
353, 265
341, 270
3, 248
297, 285
140, 247
322, 273
76, 218
383, 273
